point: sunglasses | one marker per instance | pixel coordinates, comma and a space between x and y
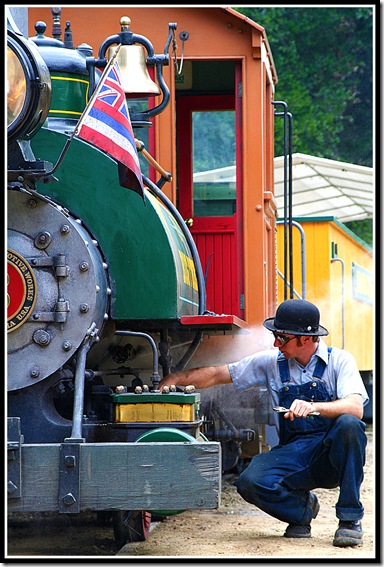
283, 339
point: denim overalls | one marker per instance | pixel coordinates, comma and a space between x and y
314, 391
313, 452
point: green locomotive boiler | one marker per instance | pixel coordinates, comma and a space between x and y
101, 280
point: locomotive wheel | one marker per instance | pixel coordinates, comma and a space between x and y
131, 525
104, 518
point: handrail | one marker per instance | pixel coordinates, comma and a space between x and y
342, 297
288, 176
303, 261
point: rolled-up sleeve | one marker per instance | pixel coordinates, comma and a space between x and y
348, 378
253, 370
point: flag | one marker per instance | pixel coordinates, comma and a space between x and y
106, 124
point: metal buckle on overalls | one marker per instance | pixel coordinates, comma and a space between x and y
281, 409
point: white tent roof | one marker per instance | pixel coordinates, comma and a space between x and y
325, 187
320, 187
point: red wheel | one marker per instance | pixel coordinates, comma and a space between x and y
131, 525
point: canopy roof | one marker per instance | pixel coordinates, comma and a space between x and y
320, 187
325, 187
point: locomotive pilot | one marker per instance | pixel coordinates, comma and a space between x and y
322, 438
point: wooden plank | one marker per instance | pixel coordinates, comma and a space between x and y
126, 476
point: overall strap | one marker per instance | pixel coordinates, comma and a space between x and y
320, 366
282, 364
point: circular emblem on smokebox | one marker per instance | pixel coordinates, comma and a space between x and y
21, 290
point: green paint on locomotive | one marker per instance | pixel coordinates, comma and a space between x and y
149, 261
69, 95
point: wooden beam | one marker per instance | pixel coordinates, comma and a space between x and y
121, 476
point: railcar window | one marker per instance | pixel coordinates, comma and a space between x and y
206, 77
214, 161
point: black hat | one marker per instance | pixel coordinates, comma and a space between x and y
296, 317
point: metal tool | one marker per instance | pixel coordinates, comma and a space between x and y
281, 409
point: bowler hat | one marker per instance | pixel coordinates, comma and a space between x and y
296, 317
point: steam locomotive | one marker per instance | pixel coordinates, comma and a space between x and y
106, 292
105, 295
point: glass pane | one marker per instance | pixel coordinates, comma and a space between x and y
136, 106
214, 163
16, 87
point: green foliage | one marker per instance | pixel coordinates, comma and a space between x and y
213, 131
323, 58
363, 229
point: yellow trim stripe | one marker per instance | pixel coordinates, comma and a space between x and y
65, 112
56, 78
70, 79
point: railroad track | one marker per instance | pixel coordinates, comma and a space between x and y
45, 534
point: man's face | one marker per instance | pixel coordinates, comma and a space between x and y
290, 345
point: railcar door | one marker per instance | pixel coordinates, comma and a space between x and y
209, 177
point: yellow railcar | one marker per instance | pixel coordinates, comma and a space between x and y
333, 268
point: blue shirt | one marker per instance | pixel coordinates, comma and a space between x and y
341, 375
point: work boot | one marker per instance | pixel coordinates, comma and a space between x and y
315, 504
294, 530
348, 533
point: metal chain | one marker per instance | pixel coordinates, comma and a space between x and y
178, 68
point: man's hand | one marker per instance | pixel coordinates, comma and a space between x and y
300, 408
352, 404
203, 377
169, 380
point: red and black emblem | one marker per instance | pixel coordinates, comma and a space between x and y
21, 290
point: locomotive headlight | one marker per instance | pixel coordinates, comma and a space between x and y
16, 87
28, 88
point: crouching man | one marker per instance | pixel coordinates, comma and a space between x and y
322, 438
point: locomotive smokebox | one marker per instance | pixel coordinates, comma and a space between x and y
57, 288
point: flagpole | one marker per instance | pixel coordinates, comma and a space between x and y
141, 148
96, 91
83, 114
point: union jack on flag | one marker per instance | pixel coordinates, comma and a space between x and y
106, 124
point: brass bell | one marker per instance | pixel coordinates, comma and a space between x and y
135, 78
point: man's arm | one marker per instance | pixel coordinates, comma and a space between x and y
203, 377
352, 404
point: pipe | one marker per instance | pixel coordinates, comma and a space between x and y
290, 195
189, 353
195, 255
284, 113
287, 194
199, 270
303, 261
155, 378
78, 406
295, 292
342, 297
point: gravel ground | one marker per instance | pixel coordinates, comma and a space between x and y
235, 530
239, 530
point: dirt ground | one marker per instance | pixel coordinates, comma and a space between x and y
237, 530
